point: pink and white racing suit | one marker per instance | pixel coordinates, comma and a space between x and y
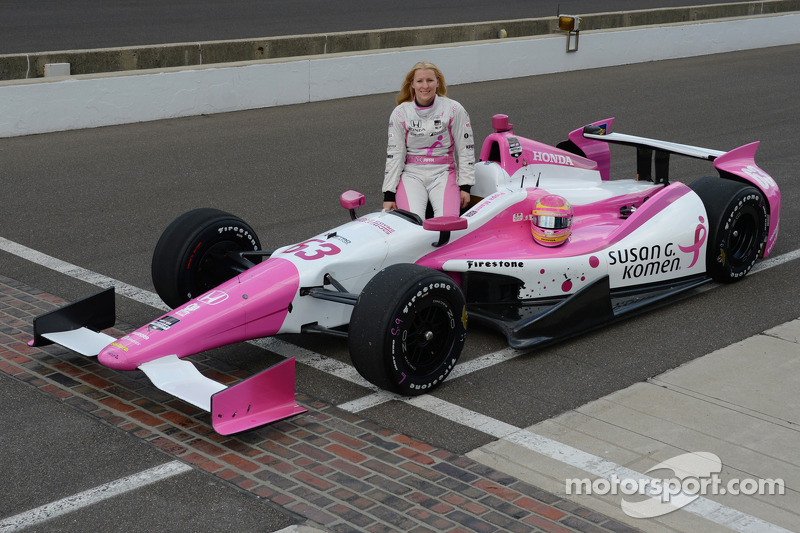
420, 161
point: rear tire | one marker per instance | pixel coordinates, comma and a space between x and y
408, 329
738, 226
190, 257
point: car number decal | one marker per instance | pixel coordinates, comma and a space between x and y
760, 177
313, 249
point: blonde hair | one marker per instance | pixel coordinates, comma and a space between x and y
406, 93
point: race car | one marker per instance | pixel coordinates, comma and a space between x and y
549, 247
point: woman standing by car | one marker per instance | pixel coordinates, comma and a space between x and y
430, 154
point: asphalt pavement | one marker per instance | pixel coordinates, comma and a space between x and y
52, 25
98, 199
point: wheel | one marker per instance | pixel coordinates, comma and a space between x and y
408, 328
190, 257
738, 224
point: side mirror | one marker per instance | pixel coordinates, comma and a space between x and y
350, 200
444, 225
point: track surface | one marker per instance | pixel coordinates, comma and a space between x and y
100, 198
53, 25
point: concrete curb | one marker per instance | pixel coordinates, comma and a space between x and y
58, 104
731, 402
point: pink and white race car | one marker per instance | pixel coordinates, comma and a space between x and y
550, 247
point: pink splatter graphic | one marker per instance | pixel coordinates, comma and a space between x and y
566, 286
541, 271
594, 262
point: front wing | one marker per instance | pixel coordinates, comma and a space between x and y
261, 399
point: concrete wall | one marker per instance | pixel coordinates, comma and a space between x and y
32, 65
56, 104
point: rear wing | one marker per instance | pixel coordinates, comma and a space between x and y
738, 164
645, 148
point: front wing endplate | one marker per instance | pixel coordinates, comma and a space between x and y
264, 398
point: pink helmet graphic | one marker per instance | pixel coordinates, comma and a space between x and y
551, 220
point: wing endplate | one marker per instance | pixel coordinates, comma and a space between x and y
264, 398
78, 326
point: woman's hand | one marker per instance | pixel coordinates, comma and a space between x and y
465, 198
389, 206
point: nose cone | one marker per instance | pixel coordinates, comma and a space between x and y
115, 356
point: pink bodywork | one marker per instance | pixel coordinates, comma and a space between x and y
504, 141
249, 306
263, 398
596, 227
256, 303
595, 150
740, 162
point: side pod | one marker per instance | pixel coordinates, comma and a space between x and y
584, 310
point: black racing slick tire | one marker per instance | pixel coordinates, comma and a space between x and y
191, 257
738, 222
407, 329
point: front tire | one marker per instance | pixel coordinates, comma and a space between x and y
408, 329
738, 226
191, 255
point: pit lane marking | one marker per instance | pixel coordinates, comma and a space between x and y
92, 496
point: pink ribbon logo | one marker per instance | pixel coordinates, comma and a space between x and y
699, 239
435, 145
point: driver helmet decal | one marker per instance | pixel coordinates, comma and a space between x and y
551, 220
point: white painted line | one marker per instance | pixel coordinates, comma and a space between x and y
485, 361
315, 360
461, 369
702, 507
82, 274
92, 496
775, 261
368, 401
463, 416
